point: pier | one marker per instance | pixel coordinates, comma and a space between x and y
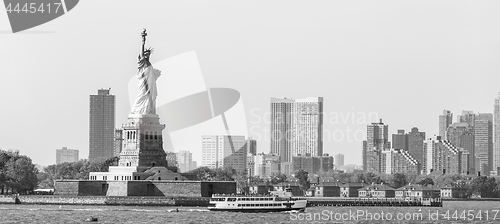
428, 202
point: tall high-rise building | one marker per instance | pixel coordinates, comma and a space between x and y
251, 145
467, 116
364, 156
185, 161
444, 121
339, 160
400, 140
219, 151
441, 156
400, 161
296, 127
483, 142
496, 142
250, 165
102, 126
461, 135
66, 155
416, 145
377, 142
266, 165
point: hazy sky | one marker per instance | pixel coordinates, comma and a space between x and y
405, 61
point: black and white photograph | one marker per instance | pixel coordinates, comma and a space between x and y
232, 111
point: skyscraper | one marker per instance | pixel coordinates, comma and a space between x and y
251, 145
461, 135
496, 143
185, 161
339, 160
400, 161
102, 126
400, 140
219, 151
483, 142
377, 142
296, 127
66, 155
444, 121
467, 116
416, 145
441, 156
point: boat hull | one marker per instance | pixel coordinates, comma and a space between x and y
257, 210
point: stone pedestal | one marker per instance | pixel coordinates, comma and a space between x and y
142, 142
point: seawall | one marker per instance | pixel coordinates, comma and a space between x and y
104, 200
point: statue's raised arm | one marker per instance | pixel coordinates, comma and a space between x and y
143, 34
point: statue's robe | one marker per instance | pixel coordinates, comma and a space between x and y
145, 103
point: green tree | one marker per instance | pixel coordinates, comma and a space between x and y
484, 186
398, 180
278, 178
303, 178
18, 172
426, 182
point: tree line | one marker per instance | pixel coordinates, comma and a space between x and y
19, 175
17, 172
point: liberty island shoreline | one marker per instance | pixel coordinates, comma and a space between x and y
158, 201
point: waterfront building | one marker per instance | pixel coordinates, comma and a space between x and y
453, 192
66, 155
102, 126
328, 189
376, 143
219, 151
444, 121
376, 191
414, 191
296, 127
350, 189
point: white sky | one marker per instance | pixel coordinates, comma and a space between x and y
404, 60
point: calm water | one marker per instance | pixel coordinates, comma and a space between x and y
133, 214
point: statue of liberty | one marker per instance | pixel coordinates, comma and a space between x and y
147, 76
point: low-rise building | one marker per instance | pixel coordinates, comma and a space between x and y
328, 189
417, 192
453, 192
260, 188
350, 189
376, 191
292, 187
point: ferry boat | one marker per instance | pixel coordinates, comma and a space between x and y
245, 203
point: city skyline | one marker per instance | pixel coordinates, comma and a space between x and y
339, 51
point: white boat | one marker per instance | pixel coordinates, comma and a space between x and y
244, 203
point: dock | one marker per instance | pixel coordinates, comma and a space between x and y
338, 201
